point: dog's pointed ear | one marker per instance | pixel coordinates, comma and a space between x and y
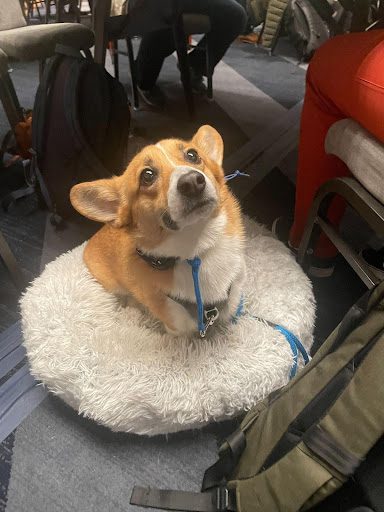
99, 200
210, 141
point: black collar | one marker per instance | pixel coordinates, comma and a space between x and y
156, 262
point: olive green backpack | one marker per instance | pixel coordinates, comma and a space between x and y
304, 441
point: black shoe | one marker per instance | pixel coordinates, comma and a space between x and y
375, 261
153, 97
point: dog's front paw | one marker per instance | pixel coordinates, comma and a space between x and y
181, 323
174, 332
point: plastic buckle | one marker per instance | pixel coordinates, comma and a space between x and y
222, 499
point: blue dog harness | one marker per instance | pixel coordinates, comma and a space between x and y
206, 318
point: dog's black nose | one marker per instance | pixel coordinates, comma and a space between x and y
191, 184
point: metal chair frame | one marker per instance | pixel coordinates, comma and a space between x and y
369, 208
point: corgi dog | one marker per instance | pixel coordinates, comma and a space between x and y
169, 209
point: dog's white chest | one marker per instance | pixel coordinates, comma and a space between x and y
219, 269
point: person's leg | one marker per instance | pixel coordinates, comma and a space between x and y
248, 25
228, 19
344, 79
154, 48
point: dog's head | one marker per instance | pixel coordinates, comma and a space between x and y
166, 187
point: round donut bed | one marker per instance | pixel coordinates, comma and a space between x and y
115, 364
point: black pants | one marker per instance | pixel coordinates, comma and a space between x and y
228, 19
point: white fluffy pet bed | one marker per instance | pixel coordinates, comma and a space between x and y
115, 365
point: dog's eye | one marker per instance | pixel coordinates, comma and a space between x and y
192, 156
148, 176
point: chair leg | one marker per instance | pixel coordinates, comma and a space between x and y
100, 49
28, 11
38, 11
133, 70
11, 264
276, 38
8, 98
59, 11
101, 11
77, 8
113, 50
209, 68
182, 55
310, 236
362, 202
47, 10
261, 34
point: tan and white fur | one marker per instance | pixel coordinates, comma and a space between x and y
172, 201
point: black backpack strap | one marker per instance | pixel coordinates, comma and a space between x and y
42, 94
322, 443
71, 101
353, 318
43, 187
215, 496
215, 500
41, 104
229, 455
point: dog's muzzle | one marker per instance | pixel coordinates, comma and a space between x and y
191, 184
191, 197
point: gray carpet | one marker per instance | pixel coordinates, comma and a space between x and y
62, 463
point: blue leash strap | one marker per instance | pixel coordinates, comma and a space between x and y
195, 265
294, 342
291, 338
299, 345
239, 310
296, 347
235, 174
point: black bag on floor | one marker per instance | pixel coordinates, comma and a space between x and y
309, 23
80, 126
